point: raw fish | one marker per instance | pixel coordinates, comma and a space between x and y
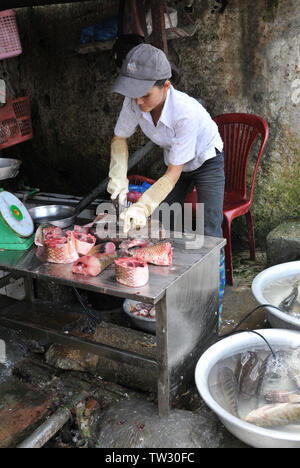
131, 272
93, 265
228, 383
159, 254
275, 415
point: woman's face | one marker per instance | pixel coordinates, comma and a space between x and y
154, 99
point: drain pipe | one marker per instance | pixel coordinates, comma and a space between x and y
49, 428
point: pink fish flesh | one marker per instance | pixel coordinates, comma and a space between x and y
159, 254
143, 310
93, 265
131, 272
82, 229
83, 242
60, 250
109, 247
46, 233
86, 228
130, 243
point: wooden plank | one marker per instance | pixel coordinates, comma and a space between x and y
95, 47
159, 37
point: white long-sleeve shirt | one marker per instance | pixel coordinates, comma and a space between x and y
185, 129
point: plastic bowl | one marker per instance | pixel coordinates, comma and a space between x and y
252, 435
283, 271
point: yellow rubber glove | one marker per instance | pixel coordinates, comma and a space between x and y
136, 215
118, 182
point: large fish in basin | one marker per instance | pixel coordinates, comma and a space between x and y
247, 372
288, 303
279, 414
229, 386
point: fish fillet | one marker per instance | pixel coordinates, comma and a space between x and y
83, 242
93, 265
159, 254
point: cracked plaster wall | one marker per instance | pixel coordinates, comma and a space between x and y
244, 59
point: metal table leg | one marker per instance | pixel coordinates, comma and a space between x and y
163, 382
186, 325
29, 288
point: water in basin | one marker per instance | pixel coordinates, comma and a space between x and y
277, 291
253, 379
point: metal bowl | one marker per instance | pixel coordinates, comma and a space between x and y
283, 271
57, 215
9, 168
252, 435
142, 323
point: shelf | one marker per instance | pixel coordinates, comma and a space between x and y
99, 46
180, 33
95, 46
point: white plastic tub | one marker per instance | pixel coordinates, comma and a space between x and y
252, 435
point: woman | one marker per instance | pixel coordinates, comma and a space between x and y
178, 123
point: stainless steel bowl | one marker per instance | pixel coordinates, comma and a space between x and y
283, 271
57, 215
142, 323
252, 435
9, 168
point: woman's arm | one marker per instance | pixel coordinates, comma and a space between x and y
118, 182
174, 172
137, 214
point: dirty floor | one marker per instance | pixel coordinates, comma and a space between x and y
30, 390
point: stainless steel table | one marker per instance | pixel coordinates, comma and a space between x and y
186, 296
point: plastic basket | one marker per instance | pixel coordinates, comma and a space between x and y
133, 197
138, 180
15, 122
10, 44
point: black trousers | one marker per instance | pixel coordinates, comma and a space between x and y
209, 180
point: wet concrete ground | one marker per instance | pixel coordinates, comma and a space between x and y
238, 299
35, 388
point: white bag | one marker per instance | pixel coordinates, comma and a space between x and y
171, 15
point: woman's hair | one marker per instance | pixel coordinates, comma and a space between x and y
175, 78
123, 45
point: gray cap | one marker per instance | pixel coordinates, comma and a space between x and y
142, 67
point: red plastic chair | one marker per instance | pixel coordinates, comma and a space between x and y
239, 132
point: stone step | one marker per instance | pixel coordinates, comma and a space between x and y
283, 243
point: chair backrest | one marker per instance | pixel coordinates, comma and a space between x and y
239, 132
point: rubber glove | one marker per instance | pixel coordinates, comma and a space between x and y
136, 215
118, 182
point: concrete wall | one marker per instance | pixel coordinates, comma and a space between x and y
243, 59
